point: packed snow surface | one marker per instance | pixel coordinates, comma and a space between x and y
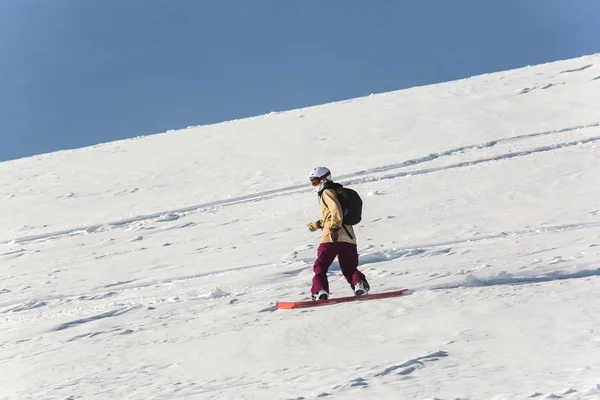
149, 268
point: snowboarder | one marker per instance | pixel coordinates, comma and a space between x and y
337, 239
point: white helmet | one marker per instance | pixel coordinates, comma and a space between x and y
319, 174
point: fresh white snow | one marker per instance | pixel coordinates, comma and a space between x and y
149, 268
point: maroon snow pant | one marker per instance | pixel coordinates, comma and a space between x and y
348, 259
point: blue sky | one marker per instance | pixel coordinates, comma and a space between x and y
79, 72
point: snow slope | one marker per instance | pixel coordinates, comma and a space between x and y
149, 268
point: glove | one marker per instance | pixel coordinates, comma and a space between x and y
333, 234
313, 226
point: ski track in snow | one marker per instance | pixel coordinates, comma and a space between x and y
577, 69
27, 305
513, 279
101, 293
502, 157
410, 366
172, 215
522, 232
107, 314
461, 149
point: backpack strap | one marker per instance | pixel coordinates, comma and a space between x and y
330, 185
348, 232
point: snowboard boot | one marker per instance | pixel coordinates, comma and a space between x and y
360, 289
322, 295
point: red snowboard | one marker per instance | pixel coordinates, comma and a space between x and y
305, 304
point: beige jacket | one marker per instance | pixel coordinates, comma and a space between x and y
331, 217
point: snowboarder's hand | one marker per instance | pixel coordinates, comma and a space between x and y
333, 234
313, 226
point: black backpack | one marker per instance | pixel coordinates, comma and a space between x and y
349, 200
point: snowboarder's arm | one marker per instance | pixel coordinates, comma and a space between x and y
335, 209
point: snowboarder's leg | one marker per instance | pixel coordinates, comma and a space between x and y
348, 258
325, 255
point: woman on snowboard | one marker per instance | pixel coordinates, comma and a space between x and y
337, 239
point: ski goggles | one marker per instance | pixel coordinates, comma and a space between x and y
316, 180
